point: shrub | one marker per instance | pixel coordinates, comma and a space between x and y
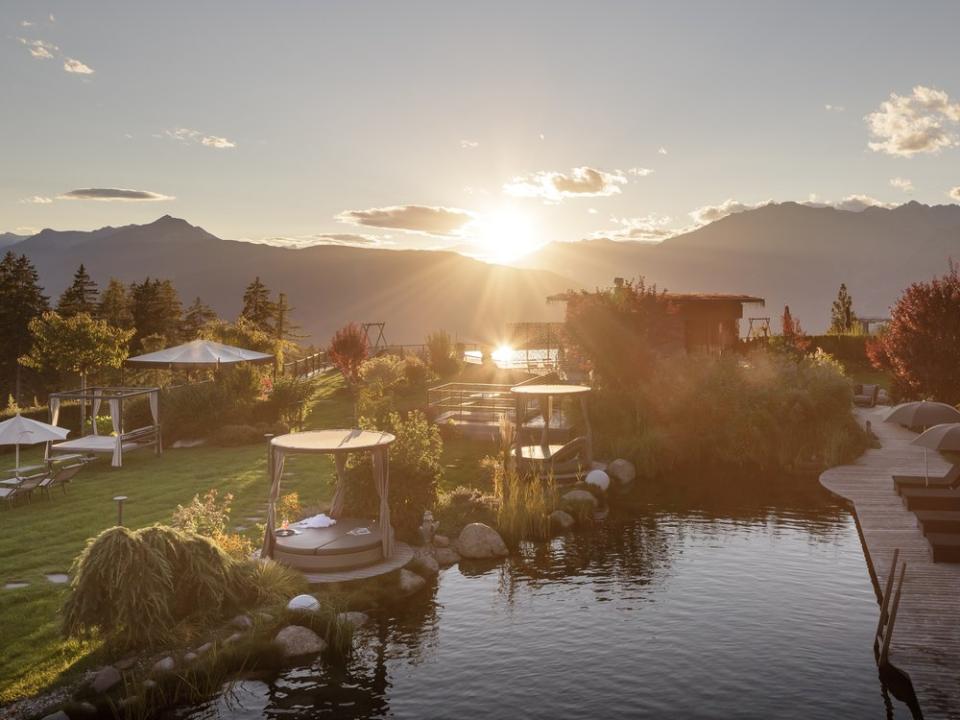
416, 372
348, 350
442, 353
920, 345
204, 516
386, 371
235, 435
525, 507
462, 506
289, 396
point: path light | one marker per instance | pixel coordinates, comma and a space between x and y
119, 500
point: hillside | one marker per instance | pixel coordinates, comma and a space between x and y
414, 292
788, 253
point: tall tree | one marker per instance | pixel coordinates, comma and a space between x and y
196, 318
157, 311
842, 319
114, 305
21, 300
257, 306
284, 330
80, 297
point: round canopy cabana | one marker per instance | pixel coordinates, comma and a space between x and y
563, 462
198, 354
340, 444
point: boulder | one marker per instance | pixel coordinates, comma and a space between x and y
356, 619
304, 603
242, 622
622, 471
190, 657
424, 563
410, 582
236, 637
441, 541
478, 541
205, 648
126, 663
105, 678
599, 479
296, 640
58, 715
446, 556
149, 684
164, 665
580, 498
560, 520
265, 617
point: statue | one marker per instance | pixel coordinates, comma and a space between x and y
428, 527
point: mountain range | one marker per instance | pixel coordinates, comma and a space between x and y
788, 253
414, 292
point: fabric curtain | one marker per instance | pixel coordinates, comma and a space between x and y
54, 417
381, 478
155, 407
96, 410
339, 492
115, 419
275, 461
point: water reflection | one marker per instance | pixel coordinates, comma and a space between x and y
745, 598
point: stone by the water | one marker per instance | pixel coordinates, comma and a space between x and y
105, 678
441, 541
190, 657
561, 520
243, 622
304, 603
623, 471
599, 479
580, 497
58, 578
206, 647
410, 582
446, 556
356, 619
58, 715
296, 640
478, 541
165, 665
424, 563
236, 637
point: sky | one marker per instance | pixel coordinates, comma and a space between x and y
485, 127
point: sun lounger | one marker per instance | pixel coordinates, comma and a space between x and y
21, 487
59, 477
941, 482
562, 462
866, 395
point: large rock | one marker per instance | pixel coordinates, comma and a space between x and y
622, 471
580, 499
441, 541
242, 622
164, 665
58, 715
296, 640
353, 618
105, 678
304, 603
478, 541
446, 556
561, 520
599, 479
410, 582
424, 563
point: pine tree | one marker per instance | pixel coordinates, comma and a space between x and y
114, 305
157, 311
842, 318
80, 297
196, 317
257, 306
21, 300
284, 330
787, 322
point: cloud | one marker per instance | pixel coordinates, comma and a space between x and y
25, 230
902, 184
554, 186
40, 49
650, 228
36, 200
662, 150
77, 67
858, 203
834, 108
712, 213
110, 194
342, 239
954, 193
640, 171
591, 211
922, 122
413, 218
469, 144
186, 135
26, 23
52, 18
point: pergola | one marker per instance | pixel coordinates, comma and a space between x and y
121, 440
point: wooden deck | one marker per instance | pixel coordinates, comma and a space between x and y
925, 644
402, 554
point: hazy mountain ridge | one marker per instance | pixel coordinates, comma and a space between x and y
414, 292
788, 253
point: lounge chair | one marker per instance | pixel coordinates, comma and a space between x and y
16, 488
866, 395
566, 462
60, 476
940, 482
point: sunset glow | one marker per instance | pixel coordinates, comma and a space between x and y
507, 234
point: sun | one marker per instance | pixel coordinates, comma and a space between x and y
506, 234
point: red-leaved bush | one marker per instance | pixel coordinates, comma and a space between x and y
921, 344
348, 350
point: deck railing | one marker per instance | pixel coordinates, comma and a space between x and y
454, 399
306, 366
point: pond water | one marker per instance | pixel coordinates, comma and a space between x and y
696, 601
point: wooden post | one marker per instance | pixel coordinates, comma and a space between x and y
885, 600
893, 617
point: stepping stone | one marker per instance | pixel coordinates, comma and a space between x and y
58, 578
16, 585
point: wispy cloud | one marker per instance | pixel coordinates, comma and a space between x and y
954, 193
639, 171
662, 151
111, 194
469, 144
40, 49
72, 65
341, 239
412, 218
853, 203
555, 186
712, 213
834, 108
26, 23
650, 228
924, 121
186, 135
26, 230
36, 200
902, 184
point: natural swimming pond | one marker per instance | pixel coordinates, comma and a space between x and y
696, 601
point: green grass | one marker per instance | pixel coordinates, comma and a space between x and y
45, 536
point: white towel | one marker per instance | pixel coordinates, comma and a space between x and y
317, 521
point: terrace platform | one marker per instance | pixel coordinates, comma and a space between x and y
925, 644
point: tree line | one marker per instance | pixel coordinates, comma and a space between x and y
90, 328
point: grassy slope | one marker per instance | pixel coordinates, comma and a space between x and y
45, 536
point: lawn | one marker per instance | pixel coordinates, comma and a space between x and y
46, 535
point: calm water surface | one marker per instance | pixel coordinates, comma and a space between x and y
693, 602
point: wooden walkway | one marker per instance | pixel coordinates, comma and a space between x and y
925, 644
